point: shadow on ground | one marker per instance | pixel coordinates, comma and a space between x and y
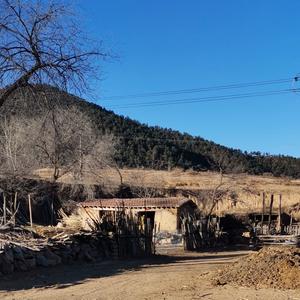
63, 276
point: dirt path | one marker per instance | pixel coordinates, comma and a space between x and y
180, 276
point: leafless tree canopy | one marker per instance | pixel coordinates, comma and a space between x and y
17, 154
41, 44
68, 143
62, 140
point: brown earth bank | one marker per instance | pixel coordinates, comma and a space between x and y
170, 276
277, 267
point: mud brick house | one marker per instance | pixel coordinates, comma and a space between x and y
164, 215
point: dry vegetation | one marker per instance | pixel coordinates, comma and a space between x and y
246, 188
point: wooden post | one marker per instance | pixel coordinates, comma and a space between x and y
270, 211
15, 207
263, 208
4, 209
30, 211
52, 211
279, 229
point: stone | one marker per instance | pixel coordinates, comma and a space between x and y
52, 257
41, 260
28, 253
18, 253
7, 267
20, 265
30, 263
9, 255
52, 262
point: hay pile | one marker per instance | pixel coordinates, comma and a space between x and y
276, 267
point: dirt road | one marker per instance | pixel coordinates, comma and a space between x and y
179, 276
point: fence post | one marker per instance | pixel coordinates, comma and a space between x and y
270, 212
4, 209
30, 210
263, 209
15, 207
279, 214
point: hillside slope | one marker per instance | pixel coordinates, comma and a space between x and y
140, 145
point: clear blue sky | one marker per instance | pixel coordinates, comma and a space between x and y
172, 45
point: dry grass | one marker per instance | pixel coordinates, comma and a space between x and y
248, 188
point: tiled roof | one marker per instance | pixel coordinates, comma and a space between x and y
137, 202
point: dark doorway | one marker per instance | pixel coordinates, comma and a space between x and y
147, 219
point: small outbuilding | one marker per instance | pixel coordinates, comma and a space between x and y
164, 215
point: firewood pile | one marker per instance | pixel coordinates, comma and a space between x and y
22, 249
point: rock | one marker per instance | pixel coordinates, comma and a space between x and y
7, 261
87, 256
28, 253
20, 265
7, 267
66, 256
41, 260
54, 258
30, 263
9, 255
47, 259
18, 253
76, 249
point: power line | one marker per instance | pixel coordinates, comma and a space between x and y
203, 89
205, 99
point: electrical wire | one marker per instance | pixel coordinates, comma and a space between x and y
197, 90
205, 99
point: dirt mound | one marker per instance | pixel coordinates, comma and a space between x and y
276, 267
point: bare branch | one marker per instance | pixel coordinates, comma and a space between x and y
41, 44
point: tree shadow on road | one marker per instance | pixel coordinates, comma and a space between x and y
63, 276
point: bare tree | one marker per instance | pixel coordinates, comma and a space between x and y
208, 200
42, 44
143, 188
217, 194
63, 140
17, 160
68, 144
17, 154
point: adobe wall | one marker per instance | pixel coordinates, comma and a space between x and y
166, 220
166, 223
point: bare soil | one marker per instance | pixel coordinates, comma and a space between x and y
169, 276
277, 267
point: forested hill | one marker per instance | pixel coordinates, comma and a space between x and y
140, 145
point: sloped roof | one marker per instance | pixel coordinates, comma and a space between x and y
172, 202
